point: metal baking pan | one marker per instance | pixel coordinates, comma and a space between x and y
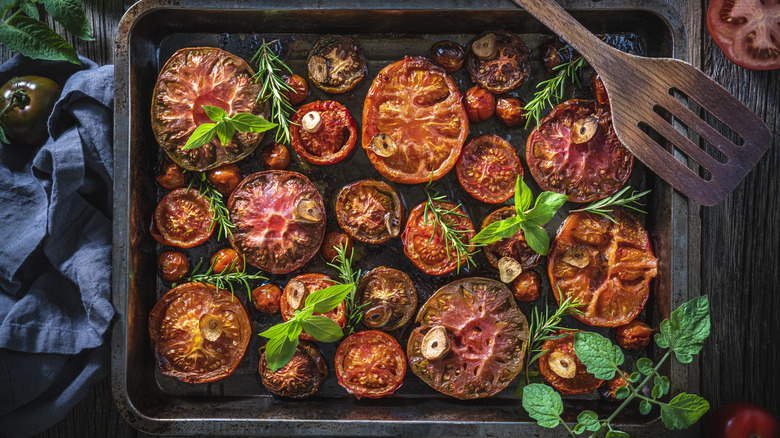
239, 405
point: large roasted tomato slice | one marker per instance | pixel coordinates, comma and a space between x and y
575, 151
607, 265
300, 287
471, 339
199, 333
199, 76
414, 123
748, 31
488, 168
323, 132
389, 296
498, 61
563, 369
370, 211
279, 218
301, 377
370, 364
184, 218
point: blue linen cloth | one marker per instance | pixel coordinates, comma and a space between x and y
55, 250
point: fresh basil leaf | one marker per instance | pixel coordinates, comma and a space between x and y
536, 237
686, 329
600, 357
543, 404
34, 39
277, 331
295, 329
497, 230
246, 122
590, 420
644, 366
547, 204
645, 407
523, 197
203, 134
617, 434
662, 383
279, 351
683, 411
215, 113
224, 132
29, 8
325, 300
622, 392
322, 328
71, 14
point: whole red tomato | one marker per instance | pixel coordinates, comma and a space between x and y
742, 420
27, 102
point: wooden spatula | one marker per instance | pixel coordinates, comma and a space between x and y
642, 92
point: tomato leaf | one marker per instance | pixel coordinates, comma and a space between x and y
322, 328
622, 392
325, 300
497, 230
34, 39
279, 351
3, 137
71, 14
523, 197
686, 329
547, 204
645, 407
662, 383
215, 113
617, 434
683, 411
245, 122
203, 134
590, 420
29, 8
536, 237
644, 366
543, 404
598, 354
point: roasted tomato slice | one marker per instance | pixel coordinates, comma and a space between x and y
471, 339
515, 247
488, 168
300, 287
303, 375
184, 218
607, 265
279, 218
370, 211
370, 364
748, 31
414, 123
199, 333
199, 76
576, 152
498, 61
323, 132
561, 367
389, 296
425, 244
336, 64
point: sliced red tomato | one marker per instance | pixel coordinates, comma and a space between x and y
561, 367
748, 31
389, 296
300, 287
184, 218
488, 168
336, 64
370, 211
498, 61
370, 364
302, 377
323, 132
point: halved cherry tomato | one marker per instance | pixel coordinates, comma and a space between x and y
488, 168
390, 298
498, 61
515, 247
26, 103
471, 339
302, 377
300, 287
435, 255
414, 123
742, 420
576, 152
300, 89
225, 178
184, 218
199, 333
561, 367
323, 132
606, 265
173, 265
370, 364
370, 211
748, 32
336, 64
170, 175
279, 218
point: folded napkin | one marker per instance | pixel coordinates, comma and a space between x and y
55, 250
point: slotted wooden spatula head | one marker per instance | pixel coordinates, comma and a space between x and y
651, 98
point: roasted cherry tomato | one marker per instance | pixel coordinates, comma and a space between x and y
26, 103
333, 240
184, 218
480, 104
389, 296
300, 89
498, 61
279, 218
370, 364
173, 265
225, 178
609, 387
600, 91
449, 55
275, 156
515, 247
227, 259
510, 111
742, 420
370, 211
300, 287
425, 244
748, 32
199, 76
575, 151
607, 265
170, 175
561, 367
414, 123
634, 336
488, 168
303, 375
266, 298
199, 333
471, 339
323, 132
526, 287
554, 52
336, 64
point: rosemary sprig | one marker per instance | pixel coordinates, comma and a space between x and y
221, 215
226, 278
348, 277
269, 70
606, 205
551, 91
453, 237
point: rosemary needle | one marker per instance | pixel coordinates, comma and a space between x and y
269, 71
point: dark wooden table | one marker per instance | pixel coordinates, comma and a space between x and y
739, 256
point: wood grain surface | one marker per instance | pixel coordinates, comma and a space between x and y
740, 260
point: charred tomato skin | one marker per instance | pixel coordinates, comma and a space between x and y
275, 156
430, 254
225, 178
390, 298
266, 298
488, 168
742, 420
31, 100
370, 211
302, 377
184, 218
510, 111
746, 31
300, 89
335, 239
334, 139
480, 104
370, 364
515, 247
583, 382
449, 55
507, 69
294, 299
170, 175
635, 335
336, 64
526, 287
173, 265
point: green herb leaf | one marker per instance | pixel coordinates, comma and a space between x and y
686, 329
547, 204
523, 197
662, 383
683, 411
622, 392
34, 39
296, 327
203, 134
325, 300
277, 331
590, 420
644, 366
579, 429
225, 132
617, 434
543, 404
634, 377
497, 230
645, 407
29, 8
3, 137
279, 351
536, 237
322, 328
215, 113
71, 14
246, 122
